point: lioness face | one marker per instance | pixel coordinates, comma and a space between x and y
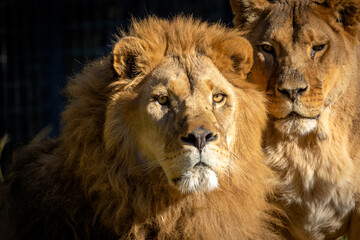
187, 117
301, 61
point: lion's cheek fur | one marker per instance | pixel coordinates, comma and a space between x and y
336, 82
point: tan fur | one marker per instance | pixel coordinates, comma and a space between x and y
122, 153
306, 60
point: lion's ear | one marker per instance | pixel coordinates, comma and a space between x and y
347, 12
241, 55
234, 56
240, 52
125, 56
247, 11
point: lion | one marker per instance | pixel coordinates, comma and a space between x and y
306, 60
161, 139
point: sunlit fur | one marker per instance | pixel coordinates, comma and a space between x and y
120, 169
313, 141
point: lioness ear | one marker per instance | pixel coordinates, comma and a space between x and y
347, 12
125, 55
247, 11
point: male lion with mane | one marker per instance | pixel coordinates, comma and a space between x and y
161, 140
307, 61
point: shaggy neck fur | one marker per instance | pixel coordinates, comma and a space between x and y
319, 171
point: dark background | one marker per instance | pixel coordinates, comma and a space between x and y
45, 41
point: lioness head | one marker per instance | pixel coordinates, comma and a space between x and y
305, 56
180, 98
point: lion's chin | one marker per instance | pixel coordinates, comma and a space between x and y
197, 180
297, 126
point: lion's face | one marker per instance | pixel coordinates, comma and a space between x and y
183, 106
303, 60
186, 122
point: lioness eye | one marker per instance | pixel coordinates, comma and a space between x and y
163, 100
267, 48
316, 48
219, 97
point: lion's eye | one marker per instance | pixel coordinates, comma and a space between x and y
267, 48
316, 48
163, 100
219, 97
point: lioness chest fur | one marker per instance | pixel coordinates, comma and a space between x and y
306, 60
161, 140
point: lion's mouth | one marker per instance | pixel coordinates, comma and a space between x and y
295, 123
200, 178
295, 115
195, 167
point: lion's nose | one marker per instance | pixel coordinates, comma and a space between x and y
292, 83
292, 93
199, 138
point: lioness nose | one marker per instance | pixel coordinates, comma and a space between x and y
199, 138
292, 93
292, 83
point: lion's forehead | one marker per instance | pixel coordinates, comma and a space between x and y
183, 78
293, 42
285, 31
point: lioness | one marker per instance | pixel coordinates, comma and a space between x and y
161, 140
306, 60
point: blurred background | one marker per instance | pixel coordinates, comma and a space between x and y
45, 41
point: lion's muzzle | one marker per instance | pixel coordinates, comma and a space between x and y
291, 84
199, 137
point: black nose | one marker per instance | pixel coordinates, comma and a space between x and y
199, 138
292, 93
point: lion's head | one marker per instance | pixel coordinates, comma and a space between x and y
162, 138
305, 56
176, 101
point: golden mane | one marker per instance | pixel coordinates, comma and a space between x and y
97, 169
